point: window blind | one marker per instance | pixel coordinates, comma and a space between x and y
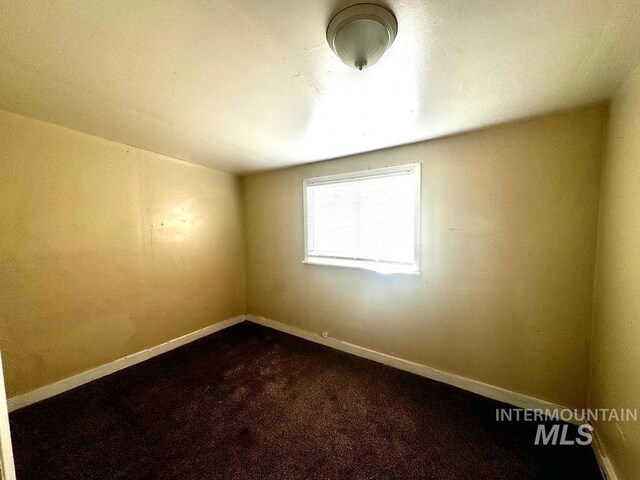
369, 218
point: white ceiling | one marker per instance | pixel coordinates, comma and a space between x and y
245, 85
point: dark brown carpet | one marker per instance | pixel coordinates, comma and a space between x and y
252, 403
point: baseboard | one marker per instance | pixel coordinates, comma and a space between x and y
486, 390
496, 393
600, 452
474, 386
61, 386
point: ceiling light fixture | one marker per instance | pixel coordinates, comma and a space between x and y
361, 33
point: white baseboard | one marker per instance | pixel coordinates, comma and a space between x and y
605, 464
483, 389
56, 388
486, 390
496, 393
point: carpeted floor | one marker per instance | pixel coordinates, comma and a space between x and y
253, 403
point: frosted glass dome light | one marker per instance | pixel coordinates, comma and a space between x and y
361, 33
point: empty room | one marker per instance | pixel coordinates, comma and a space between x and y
302, 239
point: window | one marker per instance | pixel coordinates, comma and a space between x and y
368, 219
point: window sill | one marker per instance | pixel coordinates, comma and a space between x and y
382, 268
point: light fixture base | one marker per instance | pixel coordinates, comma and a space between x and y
361, 33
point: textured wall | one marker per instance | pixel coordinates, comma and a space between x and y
509, 220
616, 333
106, 250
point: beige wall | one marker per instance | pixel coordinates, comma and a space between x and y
616, 333
509, 217
106, 250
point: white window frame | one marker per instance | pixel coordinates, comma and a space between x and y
378, 266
